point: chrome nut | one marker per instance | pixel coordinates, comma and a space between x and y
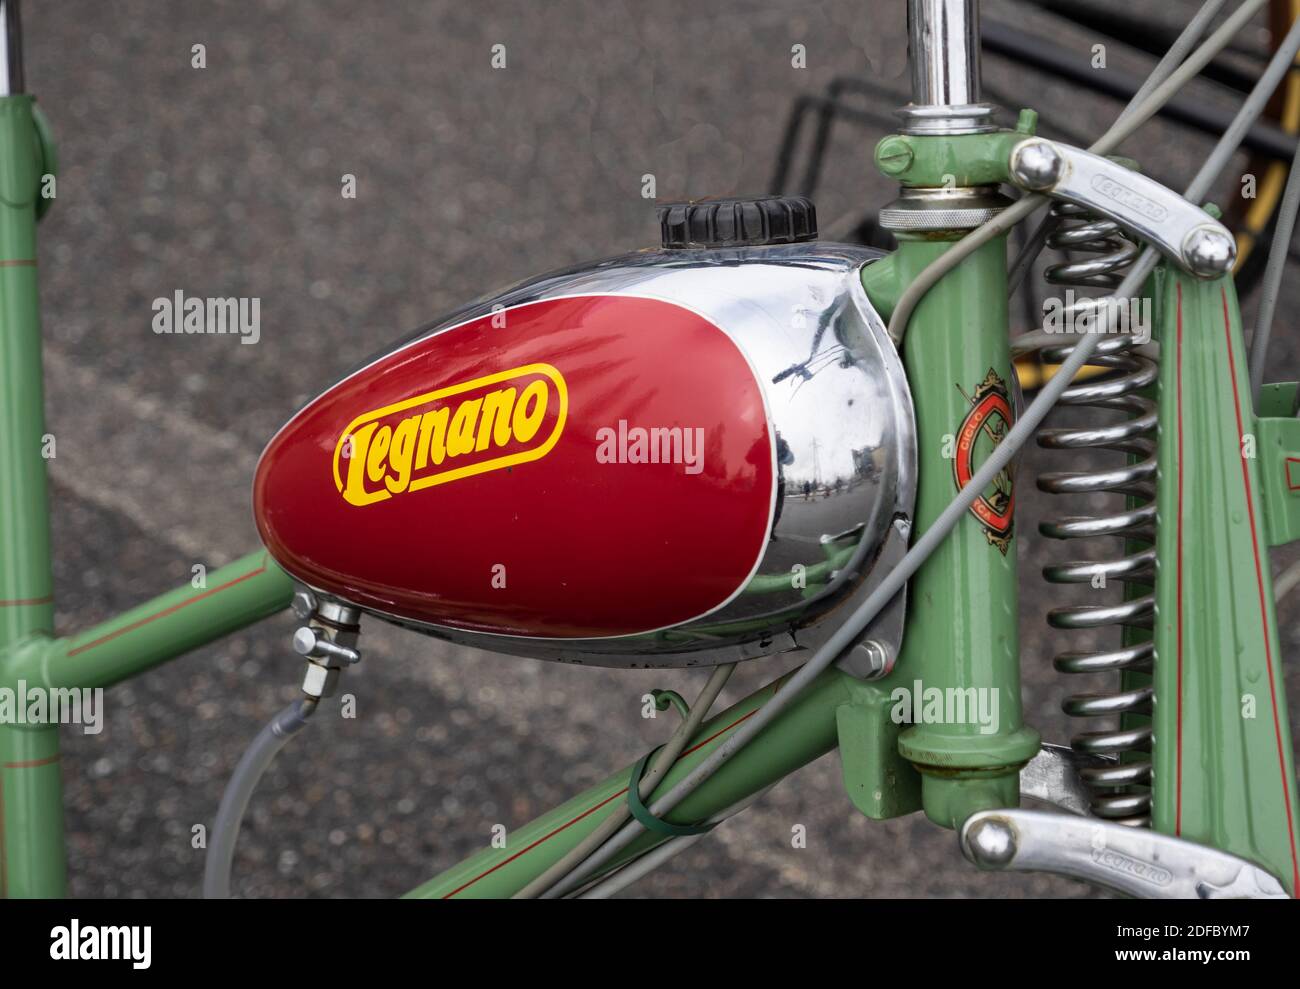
304, 603
991, 843
1036, 165
1209, 251
878, 658
320, 681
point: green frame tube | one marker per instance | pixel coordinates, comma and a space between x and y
31, 809
1223, 767
802, 733
31, 796
963, 602
32, 854
170, 625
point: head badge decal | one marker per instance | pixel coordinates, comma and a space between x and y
983, 428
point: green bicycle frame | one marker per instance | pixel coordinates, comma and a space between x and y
1230, 488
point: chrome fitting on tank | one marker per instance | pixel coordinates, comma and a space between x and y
327, 641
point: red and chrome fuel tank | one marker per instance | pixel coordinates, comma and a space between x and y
662, 459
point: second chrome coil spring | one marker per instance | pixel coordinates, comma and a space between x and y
1119, 780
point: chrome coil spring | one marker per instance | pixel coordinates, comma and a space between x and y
1118, 780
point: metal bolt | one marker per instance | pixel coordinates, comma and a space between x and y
991, 843
1036, 164
1209, 251
304, 603
894, 155
876, 656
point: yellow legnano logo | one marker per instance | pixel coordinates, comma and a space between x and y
433, 438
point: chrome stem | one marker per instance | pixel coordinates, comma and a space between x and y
944, 51
11, 49
944, 40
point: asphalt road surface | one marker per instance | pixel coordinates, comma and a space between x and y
225, 180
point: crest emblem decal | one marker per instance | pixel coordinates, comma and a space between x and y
984, 427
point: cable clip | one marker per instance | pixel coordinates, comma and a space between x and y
642, 813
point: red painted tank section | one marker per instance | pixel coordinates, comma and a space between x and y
525, 514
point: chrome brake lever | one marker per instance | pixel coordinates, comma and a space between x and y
1135, 861
1180, 230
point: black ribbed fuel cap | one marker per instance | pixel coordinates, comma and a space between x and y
745, 222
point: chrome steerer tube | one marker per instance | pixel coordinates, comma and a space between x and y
944, 52
11, 49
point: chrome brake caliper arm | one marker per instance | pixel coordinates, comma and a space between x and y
1180, 230
1135, 861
